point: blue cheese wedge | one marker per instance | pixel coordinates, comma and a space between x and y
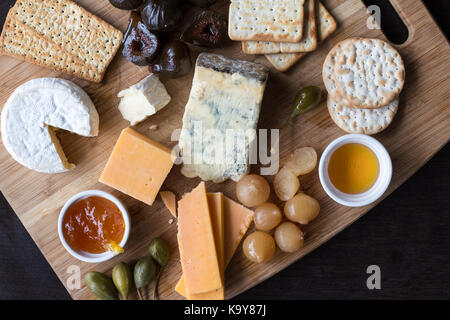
143, 99
221, 117
33, 112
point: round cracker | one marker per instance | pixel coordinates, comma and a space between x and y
368, 73
366, 121
328, 67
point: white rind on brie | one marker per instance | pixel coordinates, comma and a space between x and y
143, 99
32, 113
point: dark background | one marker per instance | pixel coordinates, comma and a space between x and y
407, 235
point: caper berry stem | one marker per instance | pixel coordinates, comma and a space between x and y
139, 294
155, 289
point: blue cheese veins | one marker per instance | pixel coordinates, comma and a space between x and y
221, 118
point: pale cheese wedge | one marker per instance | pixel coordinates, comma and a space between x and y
143, 99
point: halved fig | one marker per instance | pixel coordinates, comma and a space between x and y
174, 61
208, 29
140, 45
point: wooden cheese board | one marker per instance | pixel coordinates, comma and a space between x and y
419, 130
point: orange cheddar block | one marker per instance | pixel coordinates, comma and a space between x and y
196, 242
137, 166
218, 294
237, 220
170, 201
215, 202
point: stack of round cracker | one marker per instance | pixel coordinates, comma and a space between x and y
364, 78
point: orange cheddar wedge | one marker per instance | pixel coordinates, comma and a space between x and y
137, 166
215, 201
237, 220
196, 242
170, 201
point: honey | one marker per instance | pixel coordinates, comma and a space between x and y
93, 224
353, 168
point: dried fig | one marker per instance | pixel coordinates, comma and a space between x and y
208, 29
202, 3
174, 61
140, 45
162, 15
126, 4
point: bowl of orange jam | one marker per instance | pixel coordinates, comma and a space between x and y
94, 226
355, 170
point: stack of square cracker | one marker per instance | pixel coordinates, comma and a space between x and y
283, 30
60, 35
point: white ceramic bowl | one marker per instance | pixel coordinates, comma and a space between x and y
86, 256
380, 185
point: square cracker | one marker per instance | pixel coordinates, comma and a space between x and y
308, 42
21, 42
75, 30
266, 20
283, 61
326, 26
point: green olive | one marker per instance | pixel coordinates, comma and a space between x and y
100, 286
144, 272
305, 100
122, 278
160, 251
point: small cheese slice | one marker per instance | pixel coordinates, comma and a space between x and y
196, 242
170, 201
137, 166
32, 114
237, 220
143, 99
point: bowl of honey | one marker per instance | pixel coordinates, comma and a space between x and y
355, 170
94, 226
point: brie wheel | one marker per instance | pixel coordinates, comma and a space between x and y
33, 112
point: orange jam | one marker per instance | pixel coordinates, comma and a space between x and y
353, 168
93, 224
